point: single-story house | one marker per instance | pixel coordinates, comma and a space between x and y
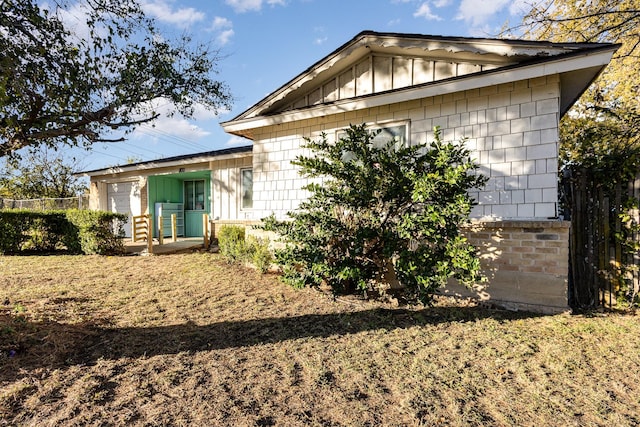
505, 96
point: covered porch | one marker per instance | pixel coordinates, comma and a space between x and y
187, 194
181, 245
142, 241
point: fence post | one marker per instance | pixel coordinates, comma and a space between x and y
174, 228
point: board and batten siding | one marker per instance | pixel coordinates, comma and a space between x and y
378, 73
226, 200
512, 130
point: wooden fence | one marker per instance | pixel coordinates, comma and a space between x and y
604, 242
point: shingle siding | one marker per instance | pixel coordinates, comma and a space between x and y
512, 130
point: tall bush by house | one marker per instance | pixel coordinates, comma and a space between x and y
381, 215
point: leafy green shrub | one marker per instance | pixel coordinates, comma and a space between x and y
232, 243
258, 253
89, 232
381, 215
95, 232
235, 247
14, 225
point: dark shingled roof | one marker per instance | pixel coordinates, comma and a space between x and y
215, 153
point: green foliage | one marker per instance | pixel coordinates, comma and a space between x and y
41, 174
603, 147
59, 85
258, 253
231, 242
604, 141
235, 247
95, 232
613, 21
380, 214
88, 232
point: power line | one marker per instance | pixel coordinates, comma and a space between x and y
166, 136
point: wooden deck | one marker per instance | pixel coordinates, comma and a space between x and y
184, 244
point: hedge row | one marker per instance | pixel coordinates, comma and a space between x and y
77, 231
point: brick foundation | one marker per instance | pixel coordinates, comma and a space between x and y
526, 264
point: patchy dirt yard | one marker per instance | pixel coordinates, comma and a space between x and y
190, 340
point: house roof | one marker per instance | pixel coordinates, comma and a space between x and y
467, 63
172, 161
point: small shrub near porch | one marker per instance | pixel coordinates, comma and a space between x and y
235, 246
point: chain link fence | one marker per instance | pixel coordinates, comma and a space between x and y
79, 202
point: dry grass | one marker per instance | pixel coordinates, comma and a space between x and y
190, 340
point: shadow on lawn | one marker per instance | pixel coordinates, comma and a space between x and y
51, 344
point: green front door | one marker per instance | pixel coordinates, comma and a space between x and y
194, 207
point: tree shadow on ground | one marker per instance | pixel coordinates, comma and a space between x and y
32, 345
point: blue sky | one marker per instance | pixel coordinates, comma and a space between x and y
265, 43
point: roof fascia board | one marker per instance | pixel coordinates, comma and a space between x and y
375, 41
158, 164
493, 77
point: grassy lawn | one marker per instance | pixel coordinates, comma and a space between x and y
189, 340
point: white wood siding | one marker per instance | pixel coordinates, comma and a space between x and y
226, 189
379, 73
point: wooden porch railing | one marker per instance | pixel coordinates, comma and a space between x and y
142, 229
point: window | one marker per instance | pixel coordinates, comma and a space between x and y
391, 132
194, 195
247, 188
397, 133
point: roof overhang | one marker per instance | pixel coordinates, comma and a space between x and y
576, 69
179, 161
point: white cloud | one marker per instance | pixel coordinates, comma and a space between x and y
442, 3
242, 6
320, 40
175, 125
74, 19
172, 127
478, 12
224, 37
424, 11
236, 141
163, 11
224, 29
521, 7
483, 31
220, 23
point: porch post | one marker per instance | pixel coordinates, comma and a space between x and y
149, 234
160, 230
205, 229
174, 228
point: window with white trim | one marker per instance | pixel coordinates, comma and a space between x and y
396, 131
392, 132
247, 188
